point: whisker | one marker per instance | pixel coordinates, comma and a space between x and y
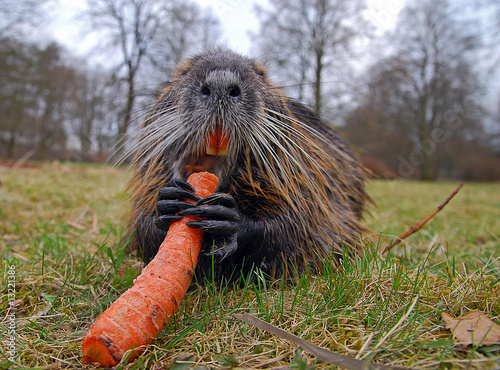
316, 134
293, 144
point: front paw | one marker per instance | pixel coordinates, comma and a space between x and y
221, 217
171, 200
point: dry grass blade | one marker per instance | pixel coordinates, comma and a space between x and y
395, 327
321, 353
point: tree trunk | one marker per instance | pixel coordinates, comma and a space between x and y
424, 140
11, 143
425, 168
317, 82
122, 130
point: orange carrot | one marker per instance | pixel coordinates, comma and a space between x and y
140, 314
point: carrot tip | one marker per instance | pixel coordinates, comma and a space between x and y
95, 350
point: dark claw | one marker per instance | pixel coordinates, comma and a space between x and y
219, 212
174, 193
164, 222
215, 227
222, 199
172, 199
178, 183
229, 247
170, 207
212, 212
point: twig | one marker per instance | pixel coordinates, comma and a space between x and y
321, 353
23, 159
419, 225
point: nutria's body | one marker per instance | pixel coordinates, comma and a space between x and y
298, 189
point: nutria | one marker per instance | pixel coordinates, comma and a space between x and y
291, 190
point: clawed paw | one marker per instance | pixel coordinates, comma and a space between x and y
218, 212
171, 200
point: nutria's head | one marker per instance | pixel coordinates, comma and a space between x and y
208, 114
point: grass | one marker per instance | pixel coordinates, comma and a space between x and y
60, 229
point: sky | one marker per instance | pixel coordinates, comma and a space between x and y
237, 17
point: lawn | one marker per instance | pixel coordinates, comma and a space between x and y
60, 231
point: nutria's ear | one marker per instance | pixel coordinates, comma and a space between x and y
260, 69
166, 89
183, 68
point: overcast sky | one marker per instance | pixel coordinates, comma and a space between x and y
237, 18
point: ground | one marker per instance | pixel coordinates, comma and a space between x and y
61, 226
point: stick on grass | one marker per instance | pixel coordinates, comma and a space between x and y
323, 354
419, 225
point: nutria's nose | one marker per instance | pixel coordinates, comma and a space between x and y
221, 86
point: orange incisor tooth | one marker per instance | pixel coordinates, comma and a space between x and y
217, 142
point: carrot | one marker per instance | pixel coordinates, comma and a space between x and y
141, 313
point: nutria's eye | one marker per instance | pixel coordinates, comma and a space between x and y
205, 90
234, 91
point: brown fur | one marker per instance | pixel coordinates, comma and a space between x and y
297, 184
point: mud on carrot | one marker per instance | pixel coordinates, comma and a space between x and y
140, 314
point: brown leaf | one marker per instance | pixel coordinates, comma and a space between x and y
474, 328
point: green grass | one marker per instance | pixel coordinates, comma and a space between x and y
61, 224
468, 228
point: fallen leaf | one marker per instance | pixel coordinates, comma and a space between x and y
473, 328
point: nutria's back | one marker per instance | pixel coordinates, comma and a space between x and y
296, 184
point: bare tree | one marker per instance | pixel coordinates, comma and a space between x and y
129, 26
426, 95
487, 12
190, 29
56, 84
15, 65
36, 91
308, 40
440, 82
145, 33
46, 97
379, 127
18, 15
96, 111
